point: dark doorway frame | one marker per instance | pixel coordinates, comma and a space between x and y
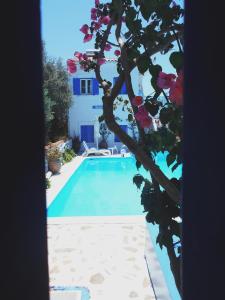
24, 267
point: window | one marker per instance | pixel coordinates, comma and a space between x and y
86, 86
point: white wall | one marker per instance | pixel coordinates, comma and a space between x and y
82, 112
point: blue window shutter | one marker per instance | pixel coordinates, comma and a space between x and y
123, 90
76, 86
87, 133
95, 86
124, 128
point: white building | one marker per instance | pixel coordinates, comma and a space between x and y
87, 103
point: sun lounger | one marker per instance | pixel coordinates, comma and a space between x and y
94, 151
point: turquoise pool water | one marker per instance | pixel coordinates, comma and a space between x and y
103, 187
100, 187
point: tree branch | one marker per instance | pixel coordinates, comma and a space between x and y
108, 100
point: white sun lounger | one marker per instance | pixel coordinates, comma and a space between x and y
94, 151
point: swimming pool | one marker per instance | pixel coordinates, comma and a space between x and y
103, 187
100, 187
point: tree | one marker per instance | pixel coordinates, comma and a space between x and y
144, 28
48, 108
57, 97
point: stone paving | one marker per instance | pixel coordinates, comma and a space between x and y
103, 254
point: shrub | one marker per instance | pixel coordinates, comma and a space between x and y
76, 144
71, 152
68, 155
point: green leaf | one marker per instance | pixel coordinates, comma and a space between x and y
177, 60
155, 85
152, 108
130, 118
147, 8
138, 180
101, 118
154, 70
170, 159
143, 64
165, 115
138, 164
175, 166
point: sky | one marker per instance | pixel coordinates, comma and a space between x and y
61, 21
60, 24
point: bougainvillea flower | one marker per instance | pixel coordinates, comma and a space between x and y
96, 25
176, 90
137, 100
87, 38
84, 29
165, 81
93, 17
93, 10
117, 52
108, 47
142, 113
97, 2
85, 57
101, 61
71, 66
78, 55
105, 20
146, 123
143, 117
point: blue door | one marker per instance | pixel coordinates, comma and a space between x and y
124, 127
87, 133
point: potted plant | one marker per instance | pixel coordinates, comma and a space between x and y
104, 132
54, 160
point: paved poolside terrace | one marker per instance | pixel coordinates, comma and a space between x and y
113, 257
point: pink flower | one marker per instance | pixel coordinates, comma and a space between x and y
146, 123
137, 100
93, 10
97, 2
117, 52
87, 38
96, 25
105, 20
108, 47
143, 117
84, 29
101, 61
85, 57
93, 17
142, 113
78, 55
176, 90
71, 66
165, 81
